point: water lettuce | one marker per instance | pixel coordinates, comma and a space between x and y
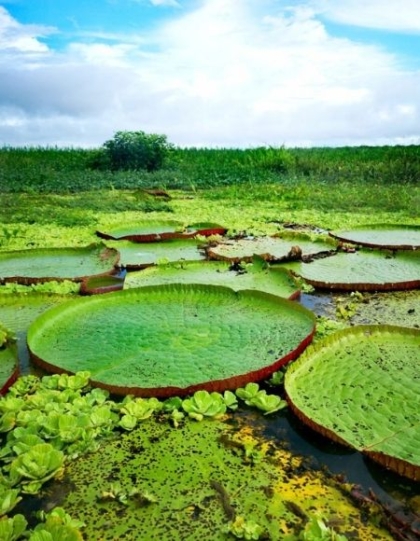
12, 529
204, 404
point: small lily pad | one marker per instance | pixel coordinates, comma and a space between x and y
48, 264
171, 340
364, 270
251, 276
360, 387
394, 237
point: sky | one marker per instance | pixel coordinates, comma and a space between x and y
212, 73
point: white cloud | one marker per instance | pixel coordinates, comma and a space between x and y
400, 16
228, 73
18, 38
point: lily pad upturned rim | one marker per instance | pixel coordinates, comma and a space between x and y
29, 280
218, 384
181, 275
393, 463
175, 230
12, 375
345, 235
390, 285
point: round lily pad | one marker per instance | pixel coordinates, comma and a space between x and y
152, 232
364, 270
135, 256
360, 387
251, 276
272, 249
47, 264
394, 237
171, 340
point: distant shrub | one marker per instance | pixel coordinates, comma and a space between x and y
134, 150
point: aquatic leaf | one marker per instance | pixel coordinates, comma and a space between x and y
171, 340
267, 403
276, 281
364, 270
204, 404
360, 386
393, 237
158, 231
275, 249
248, 392
12, 529
40, 463
136, 256
43, 265
9, 498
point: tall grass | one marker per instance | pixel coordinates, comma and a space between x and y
54, 170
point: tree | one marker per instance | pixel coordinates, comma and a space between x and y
135, 150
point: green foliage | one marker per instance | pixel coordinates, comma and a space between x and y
136, 150
317, 530
13, 528
9, 498
245, 529
253, 396
204, 404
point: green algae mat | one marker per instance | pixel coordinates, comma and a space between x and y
364, 270
172, 339
201, 481
251, 276
395, 237
361, 386
41, 265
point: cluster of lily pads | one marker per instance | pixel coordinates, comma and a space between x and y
172, 337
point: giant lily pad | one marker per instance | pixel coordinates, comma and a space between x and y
252, 276
361, 386
43, 265
398, 237
364, 270
275, 249
175, 339
152, 232
136, 256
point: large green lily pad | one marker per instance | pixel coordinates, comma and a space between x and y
47, 264
361, 386
274, 249
157, 231
136, 256
251, 276
364, 270
195, 481
174, 339
398, 237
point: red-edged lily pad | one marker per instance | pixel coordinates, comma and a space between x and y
393, 237
171, 340
364, 270
152, 232
56, 264
361, 387
276, 281
9, 369
274, 249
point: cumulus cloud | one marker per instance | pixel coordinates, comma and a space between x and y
227, 73
401, 16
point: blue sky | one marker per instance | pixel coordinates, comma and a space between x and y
221, 73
